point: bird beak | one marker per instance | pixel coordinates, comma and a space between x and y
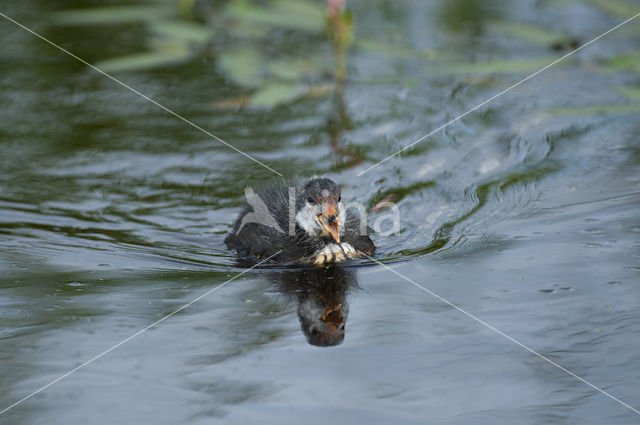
334, 319
329, 220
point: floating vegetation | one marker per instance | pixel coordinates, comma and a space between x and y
596, 110
397, 50
299, 15
629, 91
273, 94
618, 8
235, 34
501, 66
165, 55
174, 39
176, 30
110, 15
534, 34
243, 66
630, 62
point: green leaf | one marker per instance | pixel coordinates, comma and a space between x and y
273, 94
630, 62
169, 55
307, 15
402, 51
531, 33
182, 31
186, 7
295, 68
250, 30
112, 15
299, 15
396, 79
286, 69
630, 92
504, 66
243, 66
618, 8
595, 109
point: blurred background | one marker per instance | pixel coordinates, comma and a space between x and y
524, 213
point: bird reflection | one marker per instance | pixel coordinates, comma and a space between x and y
321, 297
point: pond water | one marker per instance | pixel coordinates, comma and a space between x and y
525, 213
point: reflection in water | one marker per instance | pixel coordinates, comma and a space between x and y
469, 17
106, 219
321, 296
338, 123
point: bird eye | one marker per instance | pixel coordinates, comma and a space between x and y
311, 200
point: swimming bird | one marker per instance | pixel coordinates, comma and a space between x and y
302, 224
320, 294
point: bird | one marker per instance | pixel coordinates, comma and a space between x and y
320, 294
305, 224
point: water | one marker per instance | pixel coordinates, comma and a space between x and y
524, 214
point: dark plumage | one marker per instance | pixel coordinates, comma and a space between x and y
320, 230
321, 297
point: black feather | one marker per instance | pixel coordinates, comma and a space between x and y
293, 242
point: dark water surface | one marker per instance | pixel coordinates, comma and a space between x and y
525, 214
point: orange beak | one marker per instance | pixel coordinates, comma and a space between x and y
333, 318
329, 220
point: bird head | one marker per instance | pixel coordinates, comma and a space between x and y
319, 208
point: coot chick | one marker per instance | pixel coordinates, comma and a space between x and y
321, 297
320, 231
